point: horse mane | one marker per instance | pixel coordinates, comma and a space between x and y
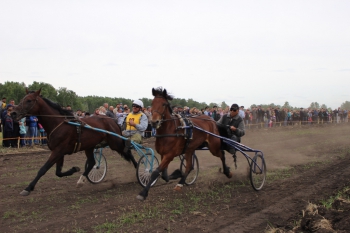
58, 107
159, 91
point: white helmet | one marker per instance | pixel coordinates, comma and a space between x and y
138, 102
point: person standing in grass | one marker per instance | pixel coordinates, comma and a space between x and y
8, 140
22, 131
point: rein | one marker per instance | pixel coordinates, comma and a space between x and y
58, 116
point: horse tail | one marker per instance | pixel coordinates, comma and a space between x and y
130, 158
126, 153
127, 156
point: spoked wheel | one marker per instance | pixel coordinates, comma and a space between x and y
145, 168
258, 172
99, 171
192, 177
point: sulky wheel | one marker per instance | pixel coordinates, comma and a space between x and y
258, 172
99, 171
192, 177
144, 169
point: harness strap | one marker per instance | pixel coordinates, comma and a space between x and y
78, 143
187, 125
79, 127
48, 138
169, 135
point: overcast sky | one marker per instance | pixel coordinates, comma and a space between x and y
245, 52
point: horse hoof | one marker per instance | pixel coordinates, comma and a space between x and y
24, 193
81, 181
139, 197
178, 187
230, 175
77, 169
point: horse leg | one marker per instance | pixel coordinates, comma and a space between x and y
177, 173
214, 147
90, 159
188, 157
155, 174
225, 168
54, 157
132, 159
59, 166
165, 175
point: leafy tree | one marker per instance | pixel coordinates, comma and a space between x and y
182, 102
286, 105
223, 105
345, 105
47, 90
314, 105
67, 97
213, 104
191, 103
146, 102
13, 90
178, 102
324, 106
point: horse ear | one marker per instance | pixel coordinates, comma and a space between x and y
38, 91
165, 94
27, 90
153, 92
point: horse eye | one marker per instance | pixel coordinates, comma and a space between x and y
28, 101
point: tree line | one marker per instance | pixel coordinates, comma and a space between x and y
65, 97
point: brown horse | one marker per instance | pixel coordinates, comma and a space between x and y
64, 138
171, 141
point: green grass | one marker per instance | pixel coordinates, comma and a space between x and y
187, 203
327, 203
279, 174
129, 218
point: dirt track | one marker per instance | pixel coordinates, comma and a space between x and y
304, 165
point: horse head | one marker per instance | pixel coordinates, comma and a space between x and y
160, 106
27, 105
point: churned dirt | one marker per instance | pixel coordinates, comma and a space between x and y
307, 166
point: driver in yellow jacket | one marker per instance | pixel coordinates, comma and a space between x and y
136, 122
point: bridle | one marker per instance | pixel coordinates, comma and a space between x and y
24, 113
162, 114
164, 106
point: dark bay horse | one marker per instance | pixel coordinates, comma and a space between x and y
63, 138
169, 144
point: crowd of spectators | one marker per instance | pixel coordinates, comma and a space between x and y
28, 129
31, 132
268, 117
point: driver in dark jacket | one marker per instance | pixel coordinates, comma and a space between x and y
235, 126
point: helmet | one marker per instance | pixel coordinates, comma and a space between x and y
138, 102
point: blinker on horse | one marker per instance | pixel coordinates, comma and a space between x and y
169, 145
63, 138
